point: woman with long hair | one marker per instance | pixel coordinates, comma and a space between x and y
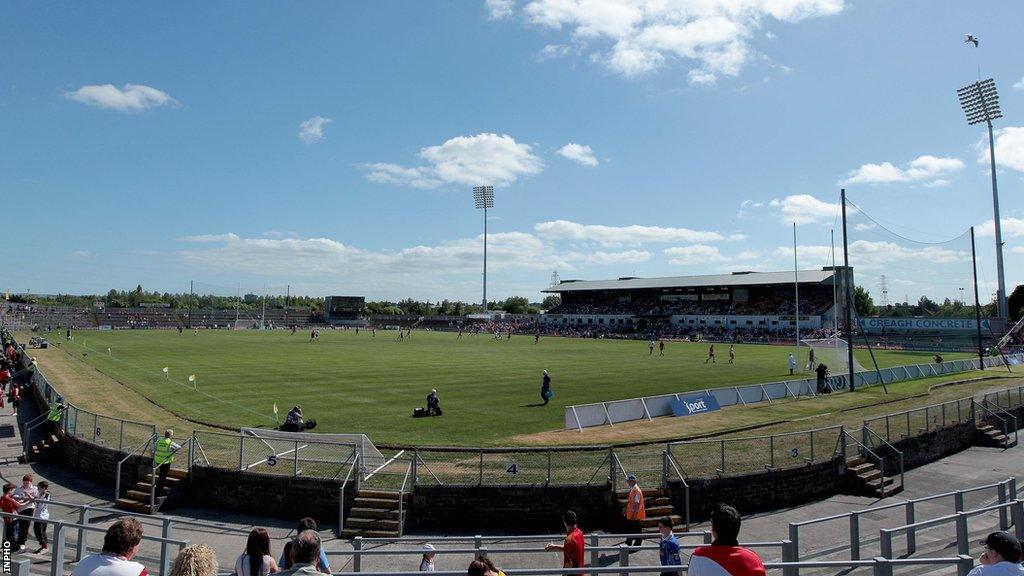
256, 560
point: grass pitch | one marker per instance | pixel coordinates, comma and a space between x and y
489, 390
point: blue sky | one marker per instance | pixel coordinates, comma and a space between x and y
333, 146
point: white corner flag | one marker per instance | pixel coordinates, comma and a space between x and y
192, 379
275, 413
166, 375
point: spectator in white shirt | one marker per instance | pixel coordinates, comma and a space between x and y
120, 545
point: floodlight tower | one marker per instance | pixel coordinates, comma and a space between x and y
980, 103
483, 198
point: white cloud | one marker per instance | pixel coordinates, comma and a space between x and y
805, 209
312, 130
579, 153
1017, 249
640, 36
870, 255
1011, 228
769, 35
130, 98
863, 226
1019, 84
464, 160
208, 238
626, 257
552, 51
696, 254
1009, 148
81, 254
625, 235
927, 170
500, 9
384, 173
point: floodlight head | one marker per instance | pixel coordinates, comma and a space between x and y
483, 196
980, 101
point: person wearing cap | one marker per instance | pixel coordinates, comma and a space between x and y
668, 547
635, 511
1000, 558
433, 403
427, 564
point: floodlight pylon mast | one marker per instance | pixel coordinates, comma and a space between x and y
980, 103
483, 198
848, 292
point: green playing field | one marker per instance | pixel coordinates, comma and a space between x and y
489, 390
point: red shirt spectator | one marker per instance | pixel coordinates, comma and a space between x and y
572, 553
10, 505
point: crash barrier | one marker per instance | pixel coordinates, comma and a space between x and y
580, 416
1004, 493
58, 551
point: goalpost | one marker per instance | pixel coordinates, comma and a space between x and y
831, 352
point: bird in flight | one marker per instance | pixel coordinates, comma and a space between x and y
971, 38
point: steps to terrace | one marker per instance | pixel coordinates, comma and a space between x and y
995, 437
137, 498
657, 505
868, 477
375, 514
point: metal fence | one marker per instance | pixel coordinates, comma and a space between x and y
1008, 399
329, 460
580, 416
710, 458
566, 465
899, 425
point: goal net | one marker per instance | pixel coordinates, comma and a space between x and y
832, 353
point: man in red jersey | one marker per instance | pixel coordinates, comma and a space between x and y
572, 547
725, 557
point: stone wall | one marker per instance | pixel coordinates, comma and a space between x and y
99, 464
760, 491
928, 447
266, 494
511, 509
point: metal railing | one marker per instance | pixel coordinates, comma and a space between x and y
58, 546
1007, 421
710, 458
959, 519
868, 435
899, 425
1005, 492
141, 449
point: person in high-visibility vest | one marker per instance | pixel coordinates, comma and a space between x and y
53, 418
163, 456
635, 511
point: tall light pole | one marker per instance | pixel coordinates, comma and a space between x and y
980, 103
483, 198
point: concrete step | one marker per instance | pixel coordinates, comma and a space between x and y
660, 511
660, 501
348, 534
139, 495
373, 513
855, 461
653, 522
371, 524
652, 493
172, 476
376, 503
132, 506
870, 476
860, 468
145, 487
381, 495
